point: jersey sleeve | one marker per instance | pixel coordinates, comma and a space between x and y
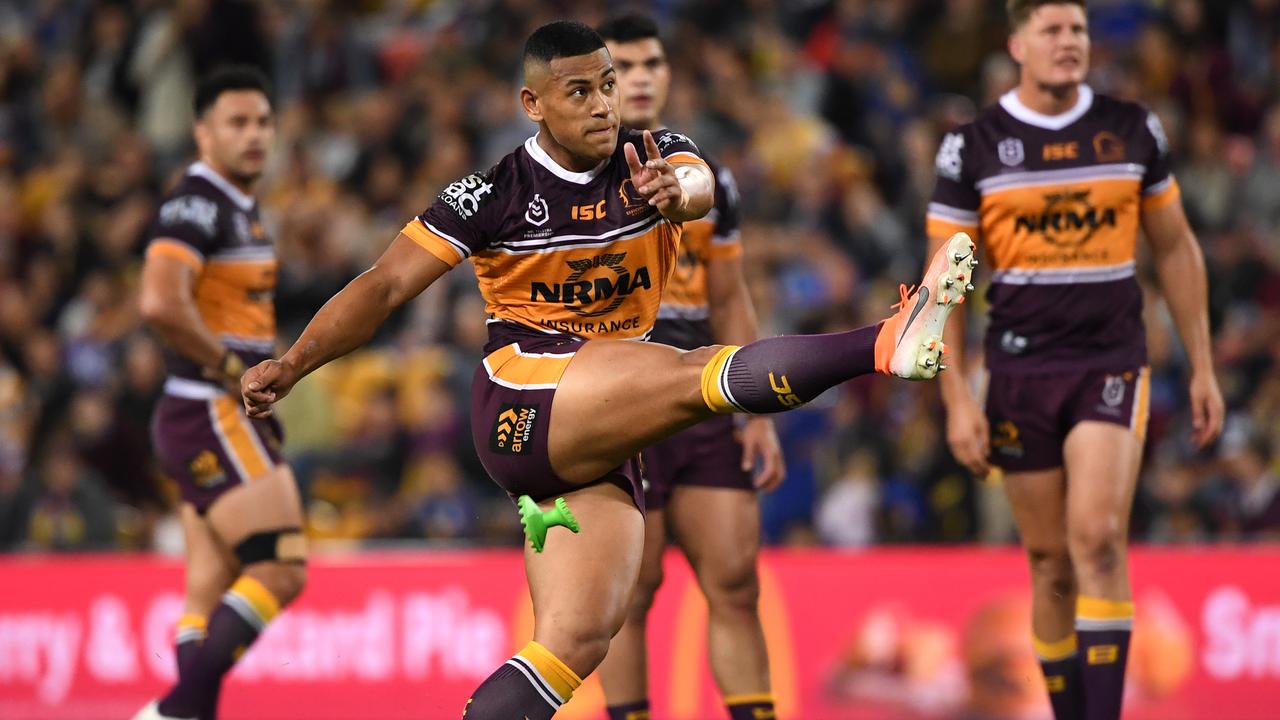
954, 205
454, 226
726, 240
1159, 187
185, 229
677, 149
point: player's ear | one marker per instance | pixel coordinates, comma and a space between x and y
201, 131
530, 102
1016, 49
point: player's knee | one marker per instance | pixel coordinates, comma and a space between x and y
1097, 549
734, 587
1052, 571
285, 580
646, 590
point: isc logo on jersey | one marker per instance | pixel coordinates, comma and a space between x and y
468, 195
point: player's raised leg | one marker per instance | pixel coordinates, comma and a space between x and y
581, 587
1039, 502
719, 531
261, 522
617, 397
1102, 461
625, 674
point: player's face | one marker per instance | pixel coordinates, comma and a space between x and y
236, 132
577, 98
644, 77
1052, 46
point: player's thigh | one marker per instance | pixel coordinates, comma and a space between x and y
581, 584
718, 529
265, 503
617, 398
210, 566
1038, 499
1102, 463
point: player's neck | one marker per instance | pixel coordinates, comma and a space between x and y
1048, 100
246, 188
561, 155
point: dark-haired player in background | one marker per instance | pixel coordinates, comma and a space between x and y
207, 288
700, 481
1058, 180
573, 239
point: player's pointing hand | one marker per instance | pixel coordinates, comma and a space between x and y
655, 180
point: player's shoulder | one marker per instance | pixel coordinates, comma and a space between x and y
669, 142
481, 192
193, 201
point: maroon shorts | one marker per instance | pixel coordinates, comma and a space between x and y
708, 454
511, 394
204, 441
1030, 415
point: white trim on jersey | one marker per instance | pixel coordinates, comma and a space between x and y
1063, 276
1012, 105
454, 243
1033, 178
952, 214
1159, 187
248, 253
191, 389
541, 157
585, 241
670, 311
234, 194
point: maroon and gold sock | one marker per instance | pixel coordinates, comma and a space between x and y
242, 615
1059, 661
757, 706
781, 373
638, 710
533, 684
1103, 628
192, 629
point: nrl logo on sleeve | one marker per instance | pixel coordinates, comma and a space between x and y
670, 139
1011, 152
468, 195
538, 212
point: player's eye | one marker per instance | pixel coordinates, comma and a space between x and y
609, 85
580, 92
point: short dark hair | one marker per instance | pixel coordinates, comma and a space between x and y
1020, 10
562, 38
629, 28
228, 78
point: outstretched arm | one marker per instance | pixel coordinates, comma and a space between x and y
1180, 268
346, 322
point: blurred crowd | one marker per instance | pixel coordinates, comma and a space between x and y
829, 113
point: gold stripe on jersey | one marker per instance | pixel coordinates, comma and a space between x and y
943, 221
436, 243
1090, 223
239, 441
1141, 405
610, 291
511, 367
686, 158
234, 297
176, 250
1161, 194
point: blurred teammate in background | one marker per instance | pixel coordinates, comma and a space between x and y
207, 288
1057, 180
701, 479
574, 238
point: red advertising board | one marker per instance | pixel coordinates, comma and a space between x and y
880, 634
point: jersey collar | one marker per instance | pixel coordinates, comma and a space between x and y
1012, 105
235, 194
541, 157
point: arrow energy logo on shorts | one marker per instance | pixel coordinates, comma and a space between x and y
514, 429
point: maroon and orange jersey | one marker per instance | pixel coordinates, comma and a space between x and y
683, 316
1056, 202
575, 253
209, 224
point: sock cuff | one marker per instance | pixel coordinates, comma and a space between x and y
192, 627
1055, 650
749, 699
1101, 614
560, 677
253, 601
715, 386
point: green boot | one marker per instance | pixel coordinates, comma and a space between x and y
536, 521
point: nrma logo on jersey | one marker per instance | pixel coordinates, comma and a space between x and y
1069, 219
592, 281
